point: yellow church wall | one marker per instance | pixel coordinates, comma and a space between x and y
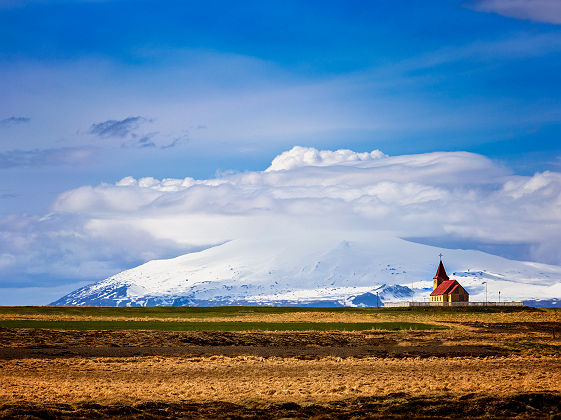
454, 297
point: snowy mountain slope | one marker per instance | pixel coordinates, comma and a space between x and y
326, 269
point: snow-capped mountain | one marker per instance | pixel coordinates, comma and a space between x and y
324, 270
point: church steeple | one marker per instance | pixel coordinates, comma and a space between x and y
440, 275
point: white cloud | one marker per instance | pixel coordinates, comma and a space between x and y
543, 185
548, 11
308, 156
96, 231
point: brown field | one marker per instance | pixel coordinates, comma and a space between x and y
499, 365
541, 315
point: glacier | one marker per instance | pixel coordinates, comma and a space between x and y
318, 269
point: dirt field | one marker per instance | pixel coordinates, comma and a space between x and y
505, 364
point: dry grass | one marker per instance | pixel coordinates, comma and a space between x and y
512, 357
541, 315
243, 378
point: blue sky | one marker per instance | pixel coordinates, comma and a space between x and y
249, 80
95, 91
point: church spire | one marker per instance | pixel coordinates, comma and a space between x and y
440, 275
441, 272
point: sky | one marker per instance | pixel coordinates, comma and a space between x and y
128, 126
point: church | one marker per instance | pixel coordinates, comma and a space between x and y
446, 290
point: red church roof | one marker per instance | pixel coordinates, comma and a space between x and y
441, 273
445, 288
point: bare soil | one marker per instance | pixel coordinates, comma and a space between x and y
29, 343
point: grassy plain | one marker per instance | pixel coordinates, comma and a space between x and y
280, 362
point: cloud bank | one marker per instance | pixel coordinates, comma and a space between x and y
95, 231
547, 11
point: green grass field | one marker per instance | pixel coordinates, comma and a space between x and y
181, 318
218, 326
